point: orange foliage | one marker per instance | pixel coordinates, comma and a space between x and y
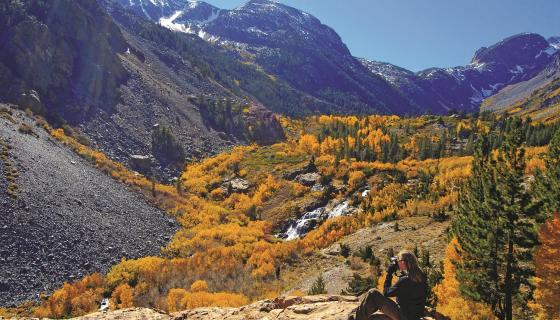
356, 179
309, 144
78, 298
199, 285
548, 271
122, 297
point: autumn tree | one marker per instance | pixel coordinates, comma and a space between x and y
548, 271
122, 297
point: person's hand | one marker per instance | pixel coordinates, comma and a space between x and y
393, 267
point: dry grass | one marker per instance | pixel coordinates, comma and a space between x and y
10, 171
26, 129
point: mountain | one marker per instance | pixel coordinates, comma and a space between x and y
117, 78
292, 46
285, 41
512, 60
153, 8
554, 41
538, 97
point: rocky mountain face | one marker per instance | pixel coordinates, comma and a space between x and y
295, 47
116, 78
67, 51
513, 60
515, 93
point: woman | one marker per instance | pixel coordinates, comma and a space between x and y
410, 290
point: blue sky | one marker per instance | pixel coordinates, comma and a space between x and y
417, 34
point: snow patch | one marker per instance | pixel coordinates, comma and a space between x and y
257, 31
477, 96
478, 66
518, 70
170, 24
549, 51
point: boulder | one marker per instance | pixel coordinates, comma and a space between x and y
140, 163
237, 185
32, 101
308, 179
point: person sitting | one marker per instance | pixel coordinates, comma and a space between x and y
410, 290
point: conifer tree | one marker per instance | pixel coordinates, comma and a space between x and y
546, 190
494, 225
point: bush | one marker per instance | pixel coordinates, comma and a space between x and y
344, 250
358, 285
365, 253
26, 129
318, 287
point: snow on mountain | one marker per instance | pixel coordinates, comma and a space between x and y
514, 59
554, 42
284, 41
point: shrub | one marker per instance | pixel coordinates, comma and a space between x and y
344, 250
26, 129
358, 285
165, 146
318, 287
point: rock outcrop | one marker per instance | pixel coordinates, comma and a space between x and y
324, 307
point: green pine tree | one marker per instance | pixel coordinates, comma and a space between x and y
494, 225
546, 190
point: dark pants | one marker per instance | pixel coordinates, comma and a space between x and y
373, 301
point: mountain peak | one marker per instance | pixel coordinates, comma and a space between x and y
194, 4
270, 6
517, 49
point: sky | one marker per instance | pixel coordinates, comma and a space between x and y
419, 34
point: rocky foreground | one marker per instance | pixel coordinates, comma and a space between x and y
325, 307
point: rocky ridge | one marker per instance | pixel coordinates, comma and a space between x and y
513, 60
281, 39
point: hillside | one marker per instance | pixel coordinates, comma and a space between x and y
116, 88
290, 45
61, 217
235, 208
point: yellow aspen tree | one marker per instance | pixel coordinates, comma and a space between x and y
547, 270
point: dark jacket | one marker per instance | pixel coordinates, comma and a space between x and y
411, 296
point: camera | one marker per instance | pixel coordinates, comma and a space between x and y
394, 260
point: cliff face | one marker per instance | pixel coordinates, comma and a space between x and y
65, 50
